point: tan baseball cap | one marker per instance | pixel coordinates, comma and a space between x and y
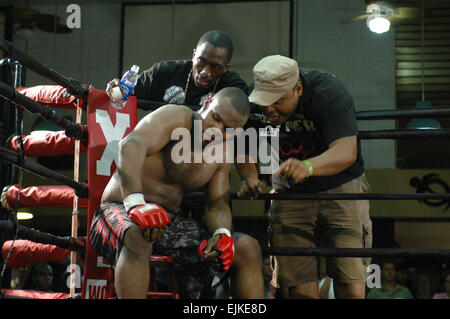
273, 75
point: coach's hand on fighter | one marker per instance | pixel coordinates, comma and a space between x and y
250, 187
294, 171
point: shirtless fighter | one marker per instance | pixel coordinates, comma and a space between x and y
138, 214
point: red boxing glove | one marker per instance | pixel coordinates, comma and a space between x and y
149, 215
225, 247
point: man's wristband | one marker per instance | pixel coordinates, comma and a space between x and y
222, 230
310, 167
132, 200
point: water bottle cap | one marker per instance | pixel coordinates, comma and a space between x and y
135, 68
116, 93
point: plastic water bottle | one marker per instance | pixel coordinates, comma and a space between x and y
128, 83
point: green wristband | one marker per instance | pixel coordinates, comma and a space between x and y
308, 164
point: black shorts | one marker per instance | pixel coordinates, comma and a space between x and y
181, 240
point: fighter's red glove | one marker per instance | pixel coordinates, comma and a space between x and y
149, 215
225, 248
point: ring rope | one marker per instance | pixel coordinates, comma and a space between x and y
404, 134
76, 130
408, 113
73, 131
150, 105
443, 254
337, 196
81, 189
37, 236
21, 157
68, 243
31, 63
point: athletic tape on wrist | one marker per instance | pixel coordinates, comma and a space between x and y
133, 199
310, 167
222, 230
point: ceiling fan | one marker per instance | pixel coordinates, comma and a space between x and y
385, 13
30, 20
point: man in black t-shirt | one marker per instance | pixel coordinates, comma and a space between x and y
312, 117
190, 82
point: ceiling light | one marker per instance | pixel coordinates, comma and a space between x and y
378, 23
423, 123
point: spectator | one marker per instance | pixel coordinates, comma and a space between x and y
445, 289
389, 288
19, 277
41, 278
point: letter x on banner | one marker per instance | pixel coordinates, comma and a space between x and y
106, 127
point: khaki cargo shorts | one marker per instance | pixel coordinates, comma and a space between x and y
321, 223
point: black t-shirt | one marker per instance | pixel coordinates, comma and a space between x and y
325, 113
166, 82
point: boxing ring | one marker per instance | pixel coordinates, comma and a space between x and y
99, 138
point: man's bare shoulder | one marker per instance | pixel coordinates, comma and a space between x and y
170, 114
176, 108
